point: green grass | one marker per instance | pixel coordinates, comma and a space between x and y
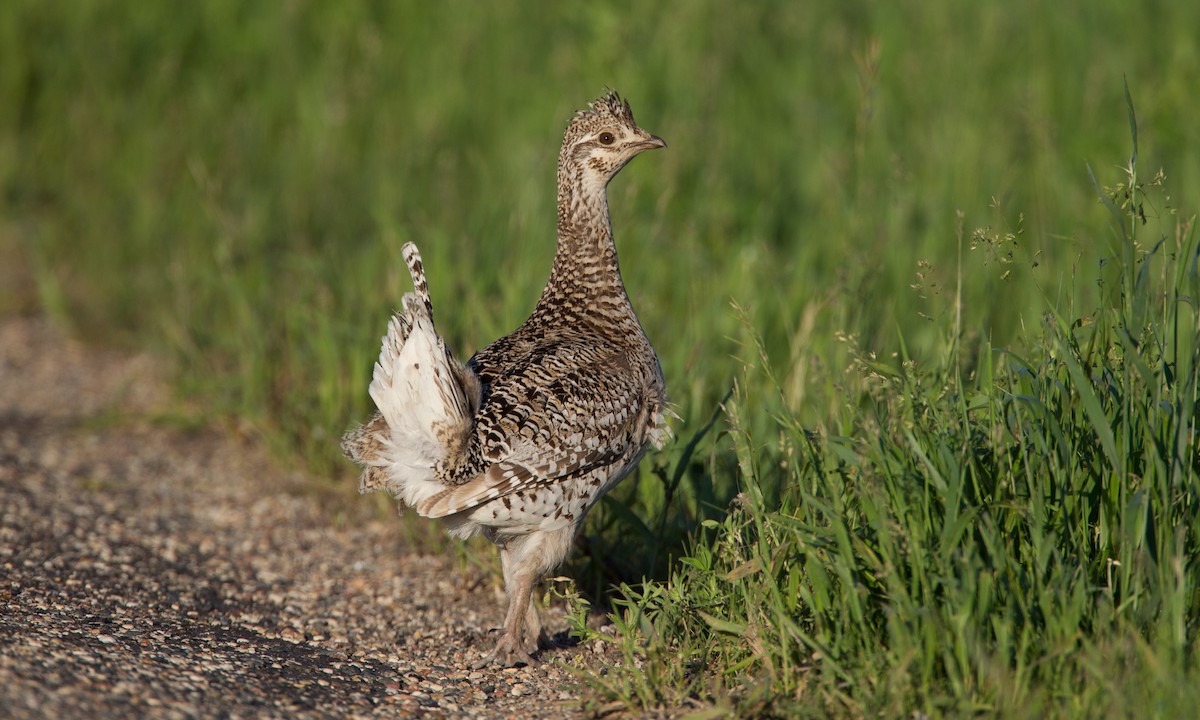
1008, 533
960, 431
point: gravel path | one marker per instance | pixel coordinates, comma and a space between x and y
149, 569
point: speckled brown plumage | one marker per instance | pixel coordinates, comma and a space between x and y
520, 442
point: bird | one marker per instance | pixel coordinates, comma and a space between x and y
518, 443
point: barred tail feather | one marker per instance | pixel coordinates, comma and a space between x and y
427, 398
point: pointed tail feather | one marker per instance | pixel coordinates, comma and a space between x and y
427, 398
412, 258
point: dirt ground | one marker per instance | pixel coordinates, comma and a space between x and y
153, 569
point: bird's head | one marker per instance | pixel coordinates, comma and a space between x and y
601, 139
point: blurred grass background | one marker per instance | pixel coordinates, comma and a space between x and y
229, 183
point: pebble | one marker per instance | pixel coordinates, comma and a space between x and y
182, 566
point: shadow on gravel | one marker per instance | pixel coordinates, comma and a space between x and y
90, 603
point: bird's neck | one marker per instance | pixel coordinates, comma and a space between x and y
585, 263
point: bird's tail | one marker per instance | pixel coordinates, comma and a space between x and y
426, 398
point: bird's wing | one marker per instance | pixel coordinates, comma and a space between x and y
558, 419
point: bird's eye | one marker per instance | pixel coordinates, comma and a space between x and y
606, 138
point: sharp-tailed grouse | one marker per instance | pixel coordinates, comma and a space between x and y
521, 441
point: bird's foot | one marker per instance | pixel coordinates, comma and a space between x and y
508, 653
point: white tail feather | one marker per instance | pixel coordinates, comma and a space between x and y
418, 388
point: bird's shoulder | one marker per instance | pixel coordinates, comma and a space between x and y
569, 410
561, 388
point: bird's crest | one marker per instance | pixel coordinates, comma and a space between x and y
609, 105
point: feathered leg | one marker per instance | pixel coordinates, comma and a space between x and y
526, 558
522, 627
530, 628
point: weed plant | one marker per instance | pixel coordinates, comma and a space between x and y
1011, 532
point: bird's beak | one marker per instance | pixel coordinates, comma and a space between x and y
654, 143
